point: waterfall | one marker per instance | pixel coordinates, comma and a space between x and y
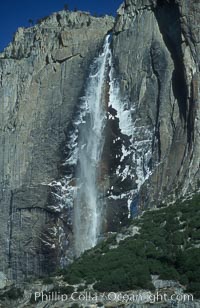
90, 187
87, 204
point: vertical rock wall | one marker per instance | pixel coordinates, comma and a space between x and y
42, 76
156, 54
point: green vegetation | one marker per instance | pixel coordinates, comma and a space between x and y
63, 290
66, 7
80, 288
168, 245
40, 20
31, 22
12, 294
47, 280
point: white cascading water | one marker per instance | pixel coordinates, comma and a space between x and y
79, 191
87, 204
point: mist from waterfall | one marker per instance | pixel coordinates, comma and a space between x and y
87, 204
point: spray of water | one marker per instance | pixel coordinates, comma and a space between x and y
87, 204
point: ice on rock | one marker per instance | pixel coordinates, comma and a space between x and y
78, 191
139, 150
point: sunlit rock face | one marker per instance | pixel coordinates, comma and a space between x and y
43, 74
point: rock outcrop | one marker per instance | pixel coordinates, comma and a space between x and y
42, 76
156, 54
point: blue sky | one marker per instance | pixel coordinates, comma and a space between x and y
16, 13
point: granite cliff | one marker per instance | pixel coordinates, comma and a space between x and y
43, 72
155, 62
156, 51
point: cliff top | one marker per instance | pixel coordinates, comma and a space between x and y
53, 24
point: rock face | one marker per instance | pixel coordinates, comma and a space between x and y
156, 54
43, 72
